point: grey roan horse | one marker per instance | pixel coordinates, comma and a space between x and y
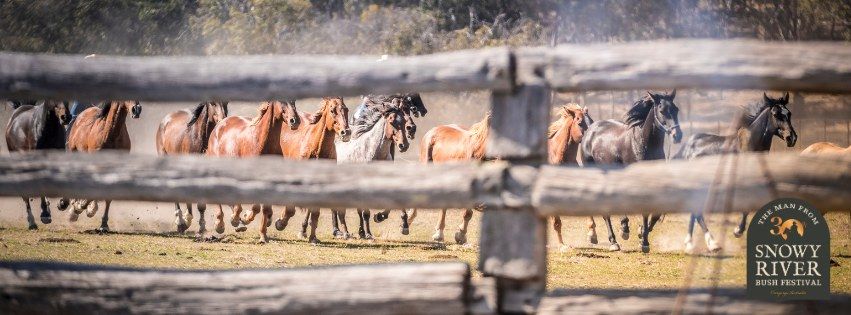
640, 137
755, 126
37, 127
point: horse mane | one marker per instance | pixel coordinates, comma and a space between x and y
196, 112
368, 120
638, 113
749, 113
559, 123
104, 109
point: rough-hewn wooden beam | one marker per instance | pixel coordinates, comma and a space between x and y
248, 78
681, 186
41, 288
698, 301
667, 64
267, 180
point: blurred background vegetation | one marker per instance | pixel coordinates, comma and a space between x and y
404, 27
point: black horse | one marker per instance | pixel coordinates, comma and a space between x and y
755, 126
640, 137
37, 127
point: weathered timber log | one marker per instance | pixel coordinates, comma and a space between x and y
248, 78
698, 301
667, 64
40, 288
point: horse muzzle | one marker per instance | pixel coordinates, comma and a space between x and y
791, 139
345, 135
403, 147
677, 134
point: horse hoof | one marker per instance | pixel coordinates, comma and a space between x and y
625, 235
234, 221
645, 248
347, 236
102, 230
314, 241
368, 237
405, 231
563, 248
46, 220
220, 228
241, 228
279, 225
437, 237
63, 205
263, 240
181, 227
32, 227
73, 217
738, 232
302, 235
460, 238
614, 247
92, 210
592, 239
378, 218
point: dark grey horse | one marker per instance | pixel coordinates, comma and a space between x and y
37, 127
755, 126
640, 137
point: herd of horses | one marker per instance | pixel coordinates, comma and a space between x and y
380, 126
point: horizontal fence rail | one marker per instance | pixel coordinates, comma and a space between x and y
740, 64
663, 187
431, 288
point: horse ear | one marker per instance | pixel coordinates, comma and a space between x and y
785, 99
765, 98
673, 94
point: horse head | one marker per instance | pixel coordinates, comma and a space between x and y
415, 104
780, 120
218, 111
394, 128
577, 121
339, 117
666, 114
135, 108
60, 110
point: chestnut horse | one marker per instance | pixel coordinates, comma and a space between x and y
826, 148
640, 137
188, 131
373, 139
564, 136
756, 125
101, 128
448, 143
37, 127
313, 139
238, 136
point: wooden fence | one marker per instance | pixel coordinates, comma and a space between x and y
520, 191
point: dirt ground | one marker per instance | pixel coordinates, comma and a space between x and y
143, 234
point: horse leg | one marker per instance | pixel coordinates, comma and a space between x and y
645, 231
438, 230
654, 218
335, 227
461, 235
405, 225
281, 223
711, 244
304, 224
78, 207
614, 242
104, 221
411, 216
381, 216
264, 223
178, 219
30, 217
236, 220
188, 216
557, 229
63, 204
366, 214
248, 218
592, 230
314, 221
361, 229
689, 243
344, 228
220, 220
740, 230
625, 227
202, 223
92, 209
45, 211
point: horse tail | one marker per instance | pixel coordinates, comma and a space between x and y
426, 146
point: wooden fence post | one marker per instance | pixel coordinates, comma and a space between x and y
513, 240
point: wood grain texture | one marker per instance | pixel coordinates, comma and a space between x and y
513, 244
518, 129
433, 288
247, 78
265, 180
668, 64
698, 301
682, 186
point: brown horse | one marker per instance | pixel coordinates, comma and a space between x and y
312, 140
101, 128
564, 136
448, 143
238, 136
826, 148
188, 131
37, 127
